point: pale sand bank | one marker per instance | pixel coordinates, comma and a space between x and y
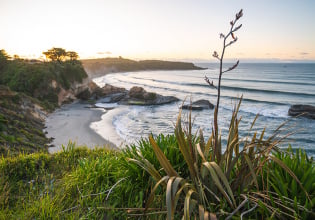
106, 129
72, 122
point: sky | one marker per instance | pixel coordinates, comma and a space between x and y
272, 30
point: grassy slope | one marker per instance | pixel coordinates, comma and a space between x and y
20, 131
95, 184
79, 182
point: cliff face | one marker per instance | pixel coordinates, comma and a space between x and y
21, 123
52, 83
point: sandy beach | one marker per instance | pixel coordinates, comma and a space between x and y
72, 122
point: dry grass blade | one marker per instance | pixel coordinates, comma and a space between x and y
171, 190
224, 180
152, 194
187, 204
147, 166
162, 158
205, 215
254, 121
208, 147
238, 208
201, 212
185, 186
262, 198
216, 180
251, 168
200, 152
169, 199
228, 154
184, 147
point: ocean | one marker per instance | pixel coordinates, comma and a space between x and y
268, 89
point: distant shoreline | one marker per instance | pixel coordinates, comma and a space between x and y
99, 67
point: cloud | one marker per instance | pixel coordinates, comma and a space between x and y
102, 53
304, 53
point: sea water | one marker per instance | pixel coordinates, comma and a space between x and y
268, 90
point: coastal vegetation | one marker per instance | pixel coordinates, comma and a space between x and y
21, 124
41, 80
83, 183
179, 176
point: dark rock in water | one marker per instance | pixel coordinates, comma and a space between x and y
138, 96
307, 111
199, 105
115, 97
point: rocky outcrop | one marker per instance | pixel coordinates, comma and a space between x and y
139, 96
109, 93
199, 105
109, 89
307, 111
135, 96
84, 91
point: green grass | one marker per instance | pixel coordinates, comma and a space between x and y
281, 183
77, 182
82, 183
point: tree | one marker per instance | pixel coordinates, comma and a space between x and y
56, 54
16, 57
3, 58
72, 55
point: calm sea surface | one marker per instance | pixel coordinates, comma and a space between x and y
267, 89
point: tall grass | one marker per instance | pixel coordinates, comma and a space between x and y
97, 184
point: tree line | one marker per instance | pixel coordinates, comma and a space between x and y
60, 54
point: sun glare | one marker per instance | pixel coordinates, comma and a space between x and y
150, 29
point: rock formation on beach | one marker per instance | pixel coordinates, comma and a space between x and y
199, 105
307, 111
135, 96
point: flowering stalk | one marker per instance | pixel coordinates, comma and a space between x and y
230, 34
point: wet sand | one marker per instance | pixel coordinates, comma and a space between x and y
73, 122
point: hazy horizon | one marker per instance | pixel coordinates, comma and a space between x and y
273, 31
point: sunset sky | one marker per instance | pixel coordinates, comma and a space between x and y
159, 29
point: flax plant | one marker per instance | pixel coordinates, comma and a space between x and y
228, 184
